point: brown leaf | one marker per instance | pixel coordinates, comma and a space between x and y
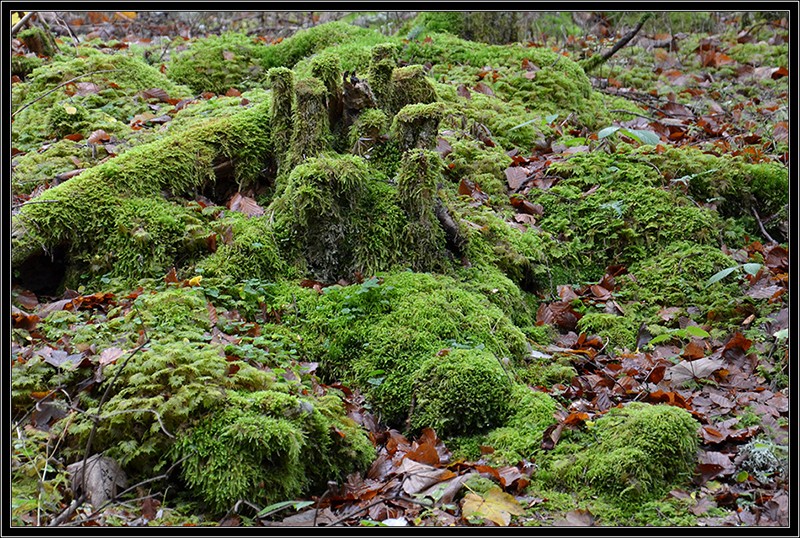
576, 518
228, 56
697, 369
75, 137
463, 91
171, 276
443, 147
233, 92
110, 355
483, 88
156, 93
693, 351
713, 464
495, 505
246, 205
516, 176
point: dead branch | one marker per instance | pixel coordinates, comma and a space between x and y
22, 22
595, 61
761, 225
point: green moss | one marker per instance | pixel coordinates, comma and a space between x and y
639, 451
464, 391
416, 185
311, 133
521, 255
269, 446
409, 85
253, 252
22, 64
281, 80
87, 207
382, 63
383, 332
366, 132
110, 104
327, 219
616, 331
219, 62
417, 125
38, 40
521, 436
677, 276
67, 119
34, 168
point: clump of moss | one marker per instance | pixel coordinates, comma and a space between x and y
219, 62
409, 85
635, 453
384, 332
67, 119
327, 219
300, 443
252, 253
464, 391
417, 192
616, 331
677, 276
110, 105
521, 435
87, 207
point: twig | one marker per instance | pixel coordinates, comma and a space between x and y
22, 22
45, 94
63, 516
596, 61
761, 225
61, 21
35, 202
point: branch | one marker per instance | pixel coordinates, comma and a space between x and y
45, 94
761, 225
22, 22
593, 62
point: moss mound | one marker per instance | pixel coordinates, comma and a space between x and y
633, 453
463, 391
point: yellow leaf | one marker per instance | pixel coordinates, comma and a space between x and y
495, 505
16, 16
195, 281
69, 109
122, 15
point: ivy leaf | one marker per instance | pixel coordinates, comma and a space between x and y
496, 506
645, 137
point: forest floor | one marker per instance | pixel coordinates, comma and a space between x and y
617, 262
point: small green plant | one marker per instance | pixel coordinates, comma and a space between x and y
683, 334
640, 135
749, 268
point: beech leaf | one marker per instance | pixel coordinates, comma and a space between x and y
496, 506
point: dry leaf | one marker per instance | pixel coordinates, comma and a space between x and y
496, 506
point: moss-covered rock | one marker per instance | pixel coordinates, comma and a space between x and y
633, 452
462, 391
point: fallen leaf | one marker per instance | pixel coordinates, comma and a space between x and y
699, 369
110, 355
576, 518
495, 505
246, 205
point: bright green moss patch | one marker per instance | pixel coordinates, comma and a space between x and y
217, 63
293, 439
632, 453
463, 391
87, 207
384, 332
